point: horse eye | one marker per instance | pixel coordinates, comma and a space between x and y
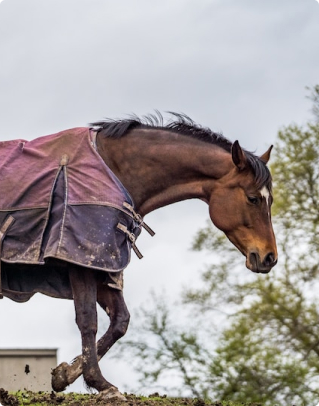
252, 200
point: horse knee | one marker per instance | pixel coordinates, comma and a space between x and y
121, 324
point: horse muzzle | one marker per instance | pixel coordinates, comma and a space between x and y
254, 263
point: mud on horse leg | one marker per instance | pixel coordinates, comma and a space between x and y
84, 286
111, 300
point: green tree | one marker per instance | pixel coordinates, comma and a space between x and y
264, 344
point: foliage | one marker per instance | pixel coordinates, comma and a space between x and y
174, 354
314, 97
264, 344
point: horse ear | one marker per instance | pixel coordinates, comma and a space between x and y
238, 155
266, 156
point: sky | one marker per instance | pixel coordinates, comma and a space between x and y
240, 67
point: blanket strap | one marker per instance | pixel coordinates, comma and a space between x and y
138, 218
132, 238
3, 230
116, 280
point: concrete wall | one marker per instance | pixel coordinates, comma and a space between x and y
27, 369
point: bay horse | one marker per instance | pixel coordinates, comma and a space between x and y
154, 164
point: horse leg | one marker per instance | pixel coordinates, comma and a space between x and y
111, 300
84, 287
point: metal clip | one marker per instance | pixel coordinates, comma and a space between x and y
132, 238
139, 219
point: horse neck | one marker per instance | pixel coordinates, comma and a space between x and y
159, 168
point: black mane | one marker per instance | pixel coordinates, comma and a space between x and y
184, 125
181, 124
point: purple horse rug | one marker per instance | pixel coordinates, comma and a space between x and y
59, 200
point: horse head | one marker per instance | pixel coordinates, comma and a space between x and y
240, 206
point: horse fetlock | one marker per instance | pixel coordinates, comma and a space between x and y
75, 369
94, 379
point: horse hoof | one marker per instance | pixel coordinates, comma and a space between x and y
111, 393
59, 379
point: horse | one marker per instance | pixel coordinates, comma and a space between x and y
151, 164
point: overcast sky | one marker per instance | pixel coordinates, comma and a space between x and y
237, 66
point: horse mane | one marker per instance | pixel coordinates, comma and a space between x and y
182, 124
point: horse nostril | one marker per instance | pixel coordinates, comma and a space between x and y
269, 259
254, 259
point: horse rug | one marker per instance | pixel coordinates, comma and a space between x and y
59, 200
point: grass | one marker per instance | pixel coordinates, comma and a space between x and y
26, 398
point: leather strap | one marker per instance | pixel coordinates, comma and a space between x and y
132, 238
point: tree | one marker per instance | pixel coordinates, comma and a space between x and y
268, 347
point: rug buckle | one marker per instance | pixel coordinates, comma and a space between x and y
132, 238
139, 219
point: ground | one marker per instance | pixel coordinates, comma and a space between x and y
73, 399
